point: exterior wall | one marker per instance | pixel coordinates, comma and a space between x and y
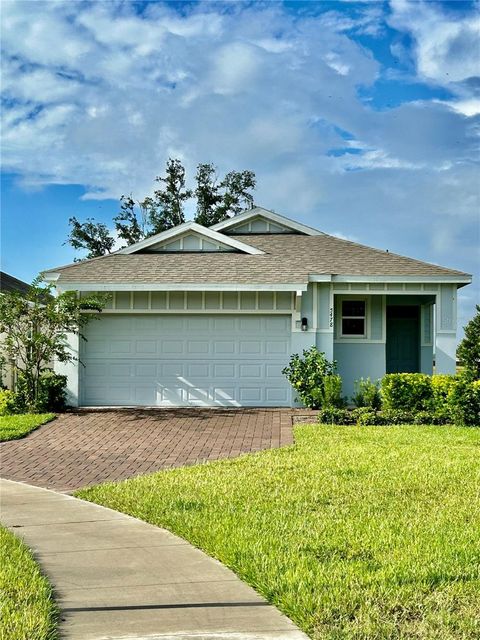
446, 325
320, 304
359, 361
199, 301
71, 370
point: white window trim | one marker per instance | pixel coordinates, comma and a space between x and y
352, 338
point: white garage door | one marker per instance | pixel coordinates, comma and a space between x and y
186, 360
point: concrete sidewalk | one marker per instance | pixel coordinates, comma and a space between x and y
116, 577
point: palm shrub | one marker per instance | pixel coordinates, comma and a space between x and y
307, 375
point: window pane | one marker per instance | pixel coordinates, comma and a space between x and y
353, 308
353, 326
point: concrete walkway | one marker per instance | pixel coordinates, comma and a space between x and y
116, 577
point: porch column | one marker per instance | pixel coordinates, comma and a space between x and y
446, 329
323, 305
71, 370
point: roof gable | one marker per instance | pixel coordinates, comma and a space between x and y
190, 237
258, 221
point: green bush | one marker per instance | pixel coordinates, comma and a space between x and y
334, 415
51, 393
464, 402
407, 392
442, 387
7, 402
367, 394
307, 374
332, 391
366, 416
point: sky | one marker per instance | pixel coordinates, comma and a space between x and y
359, 118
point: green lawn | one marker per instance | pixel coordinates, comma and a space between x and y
13, 427
27, 610
354, 532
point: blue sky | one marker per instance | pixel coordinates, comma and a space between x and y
359, 118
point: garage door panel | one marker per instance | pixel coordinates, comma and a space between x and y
196, 347
186, 360
172, 347
224, 370
145, 346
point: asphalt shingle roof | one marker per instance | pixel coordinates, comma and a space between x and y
288, 258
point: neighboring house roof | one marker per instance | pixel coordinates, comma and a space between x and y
9, 283
278, 259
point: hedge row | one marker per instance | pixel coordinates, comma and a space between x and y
413, 398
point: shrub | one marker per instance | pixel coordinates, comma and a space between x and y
332, 391
469, 349
464, 402
367, 394
442, 387
407, 392
7, 402
334, 415
51, 393
431, 417
307, 375
364, 416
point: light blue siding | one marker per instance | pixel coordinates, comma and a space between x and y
360, 360
376, 323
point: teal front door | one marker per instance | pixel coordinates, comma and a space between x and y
403, 346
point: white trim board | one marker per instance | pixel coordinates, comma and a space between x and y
182, 286
450, 279
196, 228
268, 215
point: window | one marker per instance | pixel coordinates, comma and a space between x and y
353, 318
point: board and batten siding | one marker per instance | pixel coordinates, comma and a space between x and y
199, 301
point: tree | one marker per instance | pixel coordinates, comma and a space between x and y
168, 202
34, 330
92, 236
468, 350
208, 195
237, 197
215, 201
128, 227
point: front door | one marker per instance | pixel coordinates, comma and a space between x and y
403, 347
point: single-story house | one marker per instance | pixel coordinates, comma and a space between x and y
210, 316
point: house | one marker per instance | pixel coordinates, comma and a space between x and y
210, 316
9, 284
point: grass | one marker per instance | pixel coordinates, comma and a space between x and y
26, 605
354, 532
17, 426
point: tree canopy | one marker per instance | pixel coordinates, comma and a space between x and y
216, 200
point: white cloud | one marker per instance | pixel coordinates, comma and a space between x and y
446, 48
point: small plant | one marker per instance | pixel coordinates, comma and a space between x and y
367, 394
307, 374
332, 391
7, 402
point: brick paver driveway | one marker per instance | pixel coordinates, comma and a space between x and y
85, 448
